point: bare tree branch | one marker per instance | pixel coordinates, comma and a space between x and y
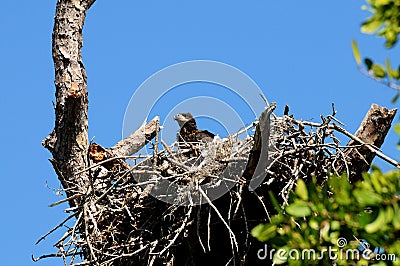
137, 139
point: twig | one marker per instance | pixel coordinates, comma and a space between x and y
87, 237
166, 147
178, 164
55, 228
220, 217
379, 80
372, 148
155, 154
177, 232
66, 199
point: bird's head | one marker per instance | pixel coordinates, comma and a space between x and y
183, 118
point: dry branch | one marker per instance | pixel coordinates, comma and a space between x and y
372, 133
137, 139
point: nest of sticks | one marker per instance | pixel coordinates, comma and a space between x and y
149, 212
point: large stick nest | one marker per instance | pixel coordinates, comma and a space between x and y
119, 222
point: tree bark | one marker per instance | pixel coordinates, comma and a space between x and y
372, 131
68, 142
258, 157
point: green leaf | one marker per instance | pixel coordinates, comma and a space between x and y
341, 188
390, 36
394, 74
356, 52
395, 248
371, 26
277, 219
275, 203
335, 225
389, 214
367, 198
378, 70
301, 190
264, 232
377, 224
299, 209
397, 129
368, 62
396, 216
382, 2
374, 167
281, 255
375, 176
314, 224
395, 98
365, 219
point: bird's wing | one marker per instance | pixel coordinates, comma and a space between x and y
204, 136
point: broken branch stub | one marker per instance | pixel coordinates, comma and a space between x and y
372, 132
258, 157
134, 142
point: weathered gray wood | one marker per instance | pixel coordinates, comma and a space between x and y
134, 142
372, 131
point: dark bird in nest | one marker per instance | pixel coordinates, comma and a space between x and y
189, 131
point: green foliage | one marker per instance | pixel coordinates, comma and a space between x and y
397, 130
385, 23
376, 70
386, 74
356, 52
319, 218
385, 20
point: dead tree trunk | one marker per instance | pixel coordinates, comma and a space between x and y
68, 142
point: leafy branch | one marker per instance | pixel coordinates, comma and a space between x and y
319, 217
386, 75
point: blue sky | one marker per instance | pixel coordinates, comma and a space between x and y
298, 52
